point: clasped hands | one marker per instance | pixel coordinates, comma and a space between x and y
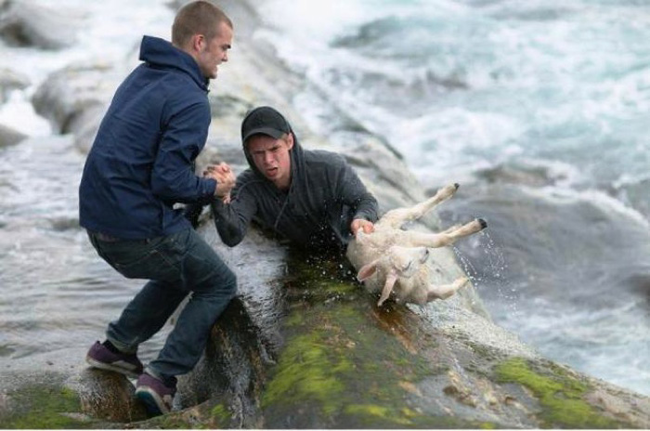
224, 177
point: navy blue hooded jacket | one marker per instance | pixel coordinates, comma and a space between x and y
142, 160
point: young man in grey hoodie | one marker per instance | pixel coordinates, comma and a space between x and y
311, 197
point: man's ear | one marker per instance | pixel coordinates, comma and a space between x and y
197, 42
367, 271
290, 140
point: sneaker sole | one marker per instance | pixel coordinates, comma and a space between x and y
108, 367
153, 403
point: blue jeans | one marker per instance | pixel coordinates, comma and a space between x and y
176, 265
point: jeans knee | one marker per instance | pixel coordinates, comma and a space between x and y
224, 283
230, 283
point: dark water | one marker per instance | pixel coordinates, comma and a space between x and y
570, 277
55, 293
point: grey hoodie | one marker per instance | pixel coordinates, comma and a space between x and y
324, 197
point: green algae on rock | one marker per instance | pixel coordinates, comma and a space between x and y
43, 407
560, 395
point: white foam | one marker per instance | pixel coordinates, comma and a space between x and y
559, 196
106, 30
18, 113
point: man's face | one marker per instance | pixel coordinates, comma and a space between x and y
215, 51
272, 158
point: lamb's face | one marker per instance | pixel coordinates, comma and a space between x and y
406, 261
399, 263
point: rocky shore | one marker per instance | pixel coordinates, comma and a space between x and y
303, 345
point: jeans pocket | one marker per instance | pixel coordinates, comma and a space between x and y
154, 260
150, 266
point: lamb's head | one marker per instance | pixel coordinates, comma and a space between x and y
399, 263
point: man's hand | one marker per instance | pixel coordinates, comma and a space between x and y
224, 177
365, 225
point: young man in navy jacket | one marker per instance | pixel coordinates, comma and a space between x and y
141, 164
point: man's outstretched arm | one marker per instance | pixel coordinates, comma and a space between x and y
233, 218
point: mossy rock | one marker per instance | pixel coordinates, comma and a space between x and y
561, 395
38, 406
346, 362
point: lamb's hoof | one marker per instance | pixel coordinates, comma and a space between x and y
483, 223
456, 185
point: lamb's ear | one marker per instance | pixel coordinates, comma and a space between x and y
391, 279
367, 270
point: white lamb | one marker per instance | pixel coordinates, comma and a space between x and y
393, 261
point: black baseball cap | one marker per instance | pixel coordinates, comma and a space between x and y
266, 121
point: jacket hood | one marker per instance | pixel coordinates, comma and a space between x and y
160, 53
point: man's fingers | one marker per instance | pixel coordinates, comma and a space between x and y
362, 224
222, 167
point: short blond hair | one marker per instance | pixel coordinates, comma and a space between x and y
197, 17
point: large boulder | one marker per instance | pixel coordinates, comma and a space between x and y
305, 346
57, 390
10, 136
25, 23
75, 98
321, 354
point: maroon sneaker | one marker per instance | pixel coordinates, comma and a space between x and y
156, 396
125, 363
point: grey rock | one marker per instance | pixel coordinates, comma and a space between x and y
66, 96
10, 80
27, 24
74, 99
9, 136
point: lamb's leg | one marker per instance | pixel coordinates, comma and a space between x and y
395, 218
434, 240
451, 228
444, 291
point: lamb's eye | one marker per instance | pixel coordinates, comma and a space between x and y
406, 268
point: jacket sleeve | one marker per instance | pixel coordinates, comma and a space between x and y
172, 177
232, 219
353, 193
